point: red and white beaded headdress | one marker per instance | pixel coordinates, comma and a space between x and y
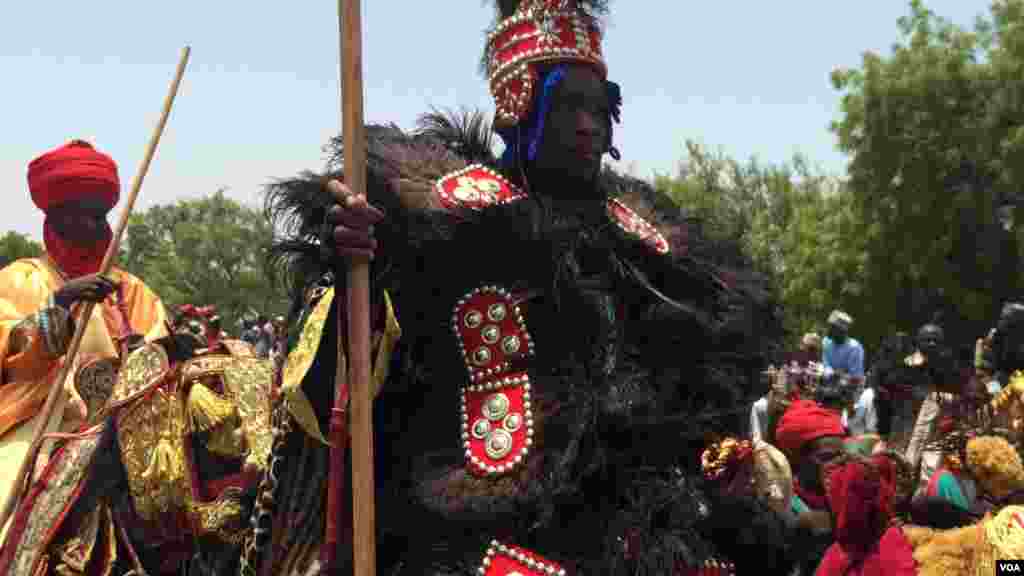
533, 32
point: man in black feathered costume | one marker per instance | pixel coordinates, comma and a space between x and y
568, 339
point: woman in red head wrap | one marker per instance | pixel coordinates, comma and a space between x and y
811, 436
861, 494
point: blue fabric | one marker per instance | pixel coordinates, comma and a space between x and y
536, 131
534, 123
530, 131
848, 357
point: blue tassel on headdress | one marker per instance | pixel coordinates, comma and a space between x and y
530, 132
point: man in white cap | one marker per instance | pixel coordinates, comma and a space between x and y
842, 357
843, 361
841, 354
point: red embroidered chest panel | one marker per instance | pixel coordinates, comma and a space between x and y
476, 187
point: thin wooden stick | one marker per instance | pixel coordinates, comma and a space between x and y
364, 546
10, 504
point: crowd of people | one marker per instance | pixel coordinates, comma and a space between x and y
912, 467
267, 337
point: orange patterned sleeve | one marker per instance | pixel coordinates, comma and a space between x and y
27, 352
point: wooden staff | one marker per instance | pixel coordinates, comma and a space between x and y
83, 320
354, 385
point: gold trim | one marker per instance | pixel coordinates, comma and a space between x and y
1014, 390
222, 517
247, 382
152, 437
301, 358
298, 363
385, 345
239, 347
143, 369
67, 470
208, 365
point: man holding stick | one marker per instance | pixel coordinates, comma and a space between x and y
76, 186
567, 338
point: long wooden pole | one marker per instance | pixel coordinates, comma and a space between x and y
83, 320
364, 543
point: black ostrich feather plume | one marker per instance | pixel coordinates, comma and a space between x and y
506, 8
466, 133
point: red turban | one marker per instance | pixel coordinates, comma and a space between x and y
804, 422
74, 171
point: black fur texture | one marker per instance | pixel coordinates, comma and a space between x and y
625, 396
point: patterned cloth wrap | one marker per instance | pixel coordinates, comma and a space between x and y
741, 465
165, 416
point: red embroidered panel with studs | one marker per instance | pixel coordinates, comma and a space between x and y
497, 424
504, 560
496, 414
475, 187
491, 331
633, 224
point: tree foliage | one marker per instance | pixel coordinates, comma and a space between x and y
205, 251
14, 246
935, 135
797, 224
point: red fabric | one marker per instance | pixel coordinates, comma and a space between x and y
73, 172
212, 337
192, 311
75, 260
211, 489
946, 424
804, 422
861, 494
894, 556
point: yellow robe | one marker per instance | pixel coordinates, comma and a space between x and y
27, 368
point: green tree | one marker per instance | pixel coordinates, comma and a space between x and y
797, 225
14, 246
935, 138
205, 251
821, 253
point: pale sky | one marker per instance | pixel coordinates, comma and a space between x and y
260, 97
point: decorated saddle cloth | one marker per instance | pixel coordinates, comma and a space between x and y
191, 437
50, 500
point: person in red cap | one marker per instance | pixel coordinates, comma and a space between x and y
76, 186
811, 436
